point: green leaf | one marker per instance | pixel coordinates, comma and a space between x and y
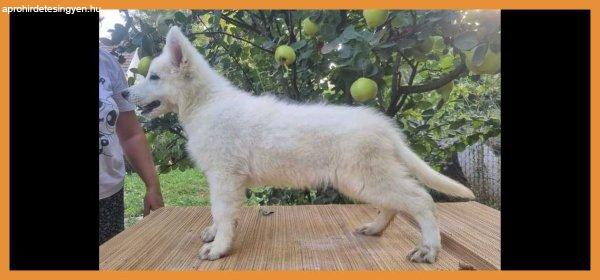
476, 124
148, 46
406, 43
333, 45
424, 105
306, 54
298, 44
118, 34
362, 63
215, 19
180, 17
458, 123
423, 127
327, 32
472, 139
384, 54
349, 33
106, 41
377, 37
420, 149
446, 62
460, 146
428, 113
401, 19
346, 52
386, 45
268, 44
371, 70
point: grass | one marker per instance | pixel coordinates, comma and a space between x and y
179, 188
183, 188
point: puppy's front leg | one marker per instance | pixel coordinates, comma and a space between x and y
226, 197
208, 234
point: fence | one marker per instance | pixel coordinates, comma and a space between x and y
481, 165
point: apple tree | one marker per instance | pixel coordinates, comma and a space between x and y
435, 72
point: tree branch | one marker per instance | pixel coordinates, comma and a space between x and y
402, 101
395, 81
343, 21
434, 84
267, 25
248, 80
431, 85
234, 36
348, 96
240, 24
288, 20
413, 73
290, 25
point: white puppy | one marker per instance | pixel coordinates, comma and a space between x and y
240, 140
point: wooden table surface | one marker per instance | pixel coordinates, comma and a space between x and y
312, 237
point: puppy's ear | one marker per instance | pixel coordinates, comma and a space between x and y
176, 46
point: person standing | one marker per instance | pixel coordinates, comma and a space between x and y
120, 134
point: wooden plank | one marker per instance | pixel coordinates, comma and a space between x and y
474, 226
313, 237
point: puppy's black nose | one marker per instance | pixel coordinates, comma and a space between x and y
125, 94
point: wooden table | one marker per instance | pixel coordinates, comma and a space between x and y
312, 237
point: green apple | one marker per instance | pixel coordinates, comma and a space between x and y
445, 90
285, 55
309, 28
374, 17
491, 63
144, 65
363, 89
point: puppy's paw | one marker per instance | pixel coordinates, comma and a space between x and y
208, 234
211, 252
423, 254
368, 229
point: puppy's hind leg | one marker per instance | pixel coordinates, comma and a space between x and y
226, 197
430, 245
413, 199
391, 188
380, 223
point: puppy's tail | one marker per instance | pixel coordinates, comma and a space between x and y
430, 177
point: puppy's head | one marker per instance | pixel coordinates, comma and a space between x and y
168, 79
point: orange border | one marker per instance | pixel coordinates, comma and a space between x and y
305, 4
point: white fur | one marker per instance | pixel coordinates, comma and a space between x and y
240, 140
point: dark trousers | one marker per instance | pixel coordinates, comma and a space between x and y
111, 216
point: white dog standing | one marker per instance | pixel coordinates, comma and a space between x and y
240, 140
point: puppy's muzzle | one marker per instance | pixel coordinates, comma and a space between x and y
150, 106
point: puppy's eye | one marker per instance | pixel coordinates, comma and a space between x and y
154, 77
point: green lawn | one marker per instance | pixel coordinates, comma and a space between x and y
179, 188
189, 188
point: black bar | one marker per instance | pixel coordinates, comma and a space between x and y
546, 140
53, 162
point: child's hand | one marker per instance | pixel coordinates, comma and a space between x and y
153, 200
